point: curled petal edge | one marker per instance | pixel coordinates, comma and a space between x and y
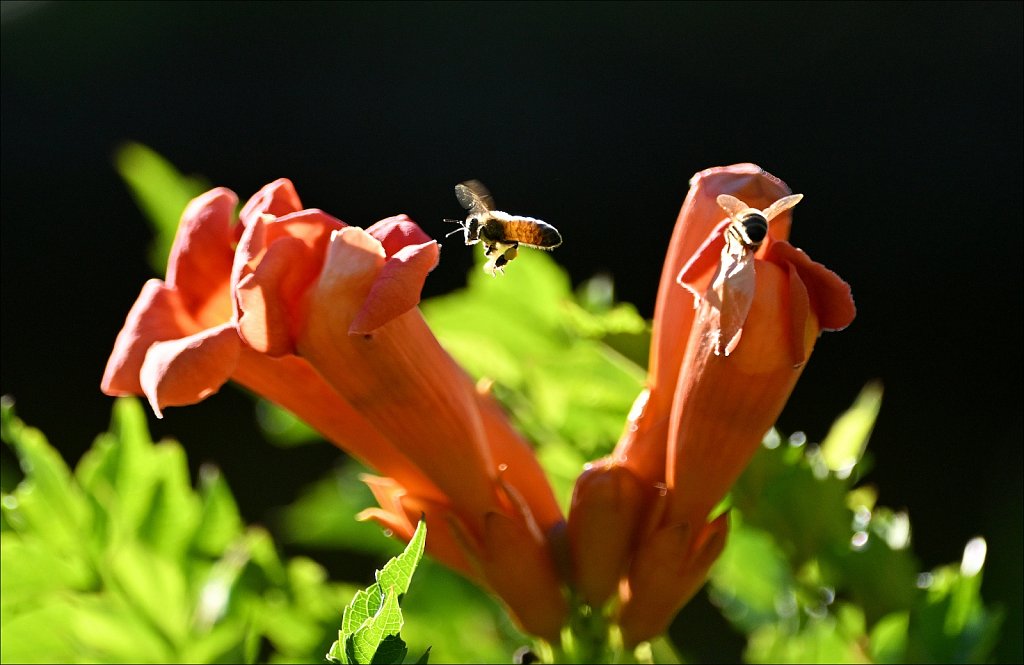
157, 315
185, 371
397, 287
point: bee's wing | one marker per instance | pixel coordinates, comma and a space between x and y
732, 205
474, 197
731, 295
780, 206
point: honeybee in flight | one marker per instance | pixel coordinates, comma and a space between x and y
500, 232
732, 291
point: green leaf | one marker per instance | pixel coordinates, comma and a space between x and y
45, 502
369, 638
282, 427
845, 443
815, 571
950, 623
750, 601
219, 519
397, 573
160, 191
148, 570
371, 623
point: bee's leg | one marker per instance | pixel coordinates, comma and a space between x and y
511, 253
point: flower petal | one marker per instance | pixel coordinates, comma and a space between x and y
187, 370
397, 288
400, 511
158, 314
724, 405
199, 266
278, 198
642, 445
518, 466
829, 295
264, 315
521, 572
292, 383
698, 272
607, 504
669, 567
397, 232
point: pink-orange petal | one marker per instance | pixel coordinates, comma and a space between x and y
607, 505
698, 271
397, 232
799, 307
199, 265
187, 370
278, 198
268, 297
668, 569
292, 383
157, 315
397, 287
829, 295
312, 225
518, 467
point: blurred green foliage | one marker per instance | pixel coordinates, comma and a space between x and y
815, 572
161, 191
121, 560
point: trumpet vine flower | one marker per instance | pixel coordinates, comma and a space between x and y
321, 318
706, 408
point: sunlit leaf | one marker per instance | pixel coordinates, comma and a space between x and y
139, 567
371, 623
846, 441
161, 191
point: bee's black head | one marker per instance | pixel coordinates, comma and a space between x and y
471, 228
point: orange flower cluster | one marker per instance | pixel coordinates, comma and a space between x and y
322, 319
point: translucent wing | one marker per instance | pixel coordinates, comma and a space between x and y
730, 296
732, 205
474, 197
783, 204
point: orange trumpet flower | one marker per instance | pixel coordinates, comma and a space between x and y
321, 318
726, 353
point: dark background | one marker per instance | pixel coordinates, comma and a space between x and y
900, 123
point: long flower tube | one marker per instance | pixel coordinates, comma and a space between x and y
730, 340
321, 318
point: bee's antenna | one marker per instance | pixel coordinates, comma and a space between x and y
462, 226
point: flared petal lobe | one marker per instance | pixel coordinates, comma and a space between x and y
199, 265
157, 315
